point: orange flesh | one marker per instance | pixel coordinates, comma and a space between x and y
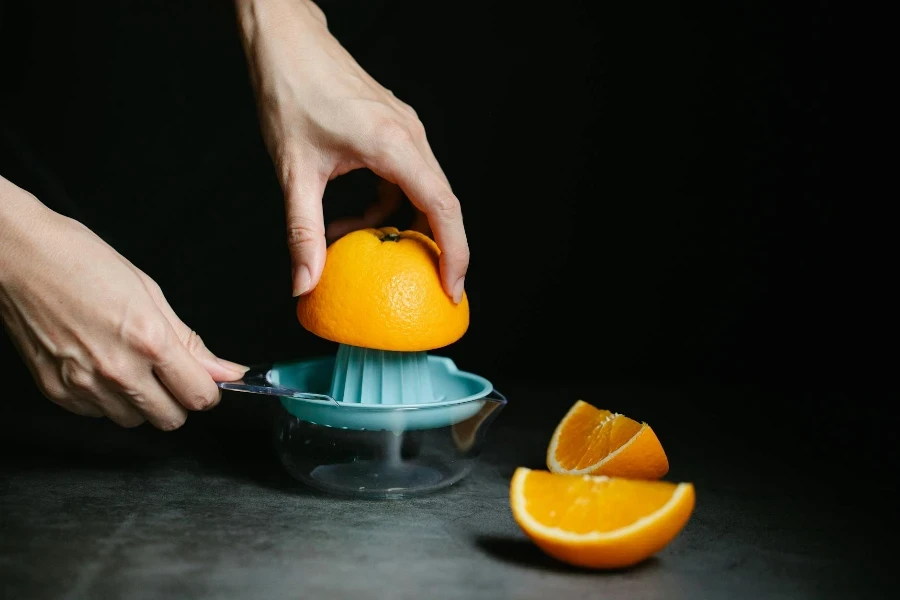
581, 505
603, 435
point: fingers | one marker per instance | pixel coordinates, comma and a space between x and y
164, 379
176, 362
420, 139
157, 404
305, 223
389, 197
185, 378
117, 408
420, 220
161, 396
217, 368
401, 162
428, 154
85, 408
151, 402
80, 392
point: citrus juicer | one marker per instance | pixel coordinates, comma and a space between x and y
383, 417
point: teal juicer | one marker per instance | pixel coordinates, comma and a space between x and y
379, 423
375, 423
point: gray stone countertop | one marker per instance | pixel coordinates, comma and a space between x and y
88, 510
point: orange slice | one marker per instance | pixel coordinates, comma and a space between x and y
591, 441
599, 522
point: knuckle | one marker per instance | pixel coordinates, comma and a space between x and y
85, 409
412, 112
446, 204
152, 287
133, 422
291, 158
458, 255
129, 420
76, 377
139, 401
318, 13
304, 232
52, 391
194, 342
114, 370
172, 423
182, 332
415, 126
147, 336
391, 134
82, 381
206, 398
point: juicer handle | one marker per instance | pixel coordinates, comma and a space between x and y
256, 381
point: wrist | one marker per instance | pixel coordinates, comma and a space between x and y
256, 15
22, 217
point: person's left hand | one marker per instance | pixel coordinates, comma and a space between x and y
322, 116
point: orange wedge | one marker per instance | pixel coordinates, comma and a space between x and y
591, 441
599, 522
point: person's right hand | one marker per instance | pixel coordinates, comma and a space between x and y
96, 332
322, 115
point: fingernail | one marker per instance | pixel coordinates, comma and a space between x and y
232, 366
458, 290
302, 280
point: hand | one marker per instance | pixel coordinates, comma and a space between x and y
323, 116
96, 333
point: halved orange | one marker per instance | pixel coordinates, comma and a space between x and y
599, 522
381, 288
592, 441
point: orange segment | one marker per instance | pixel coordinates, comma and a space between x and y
593, 441
598, 521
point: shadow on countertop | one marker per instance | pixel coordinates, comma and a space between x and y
523, 552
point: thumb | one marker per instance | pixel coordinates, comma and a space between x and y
305, 226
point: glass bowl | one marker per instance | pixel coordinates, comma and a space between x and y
385, 463
380, 450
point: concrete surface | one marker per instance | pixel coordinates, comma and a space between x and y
91, 511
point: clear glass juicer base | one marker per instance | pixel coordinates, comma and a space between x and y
378, 449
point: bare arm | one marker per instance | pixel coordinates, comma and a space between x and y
95, 331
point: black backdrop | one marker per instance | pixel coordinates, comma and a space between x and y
649, 188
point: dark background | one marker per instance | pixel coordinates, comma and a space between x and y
654, 193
